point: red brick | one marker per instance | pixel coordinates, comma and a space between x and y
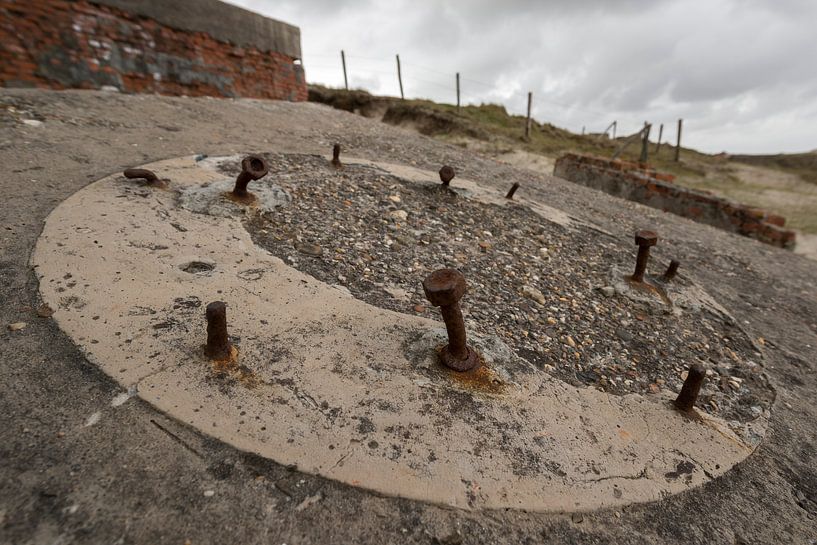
43, 21
774, 219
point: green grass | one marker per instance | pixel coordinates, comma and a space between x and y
547, 139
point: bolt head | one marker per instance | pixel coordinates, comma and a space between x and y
255, 165
646, 238
447, 174
444, 287
215, 308
696, 372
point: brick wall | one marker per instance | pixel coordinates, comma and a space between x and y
636, 183
62, 44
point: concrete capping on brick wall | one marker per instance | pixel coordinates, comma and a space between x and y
92, 44
643, 185
222, 21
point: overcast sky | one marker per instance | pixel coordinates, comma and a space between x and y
741, 73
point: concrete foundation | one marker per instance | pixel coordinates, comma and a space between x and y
192, 48
645, 186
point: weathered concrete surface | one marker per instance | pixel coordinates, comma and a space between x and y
135, 476
220, 20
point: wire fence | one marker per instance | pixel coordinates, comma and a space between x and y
344, 65
361, 68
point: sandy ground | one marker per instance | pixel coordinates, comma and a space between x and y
787, 194
530, 161
83, 462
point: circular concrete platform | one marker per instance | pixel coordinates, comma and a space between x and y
336, 386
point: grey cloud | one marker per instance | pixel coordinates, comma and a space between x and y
742, 73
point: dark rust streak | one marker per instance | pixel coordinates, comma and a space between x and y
646, 287
479, 379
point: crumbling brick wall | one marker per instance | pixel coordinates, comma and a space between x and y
636, 183
91, 44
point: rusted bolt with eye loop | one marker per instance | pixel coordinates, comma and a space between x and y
447, 174
253, 167
336, 156
142, 173
645, 240
672, 270
218, 343
512, 190
444, 288
685, 401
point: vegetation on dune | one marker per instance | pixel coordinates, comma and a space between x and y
801, 164
786, 185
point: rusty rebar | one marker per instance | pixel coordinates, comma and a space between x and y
692, 387
336, 156
672, 270
644, 239
253, 167
218, 343
144, 174
447, 174
141, 173
444, 288
512, 190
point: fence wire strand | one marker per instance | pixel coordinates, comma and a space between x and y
353, 66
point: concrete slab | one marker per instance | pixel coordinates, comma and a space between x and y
79, 468
324, 382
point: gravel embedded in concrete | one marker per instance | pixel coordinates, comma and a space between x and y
543, 288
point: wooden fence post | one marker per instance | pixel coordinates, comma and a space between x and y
611, 126
458, 92
678, 144
624, 145
343, 61
645, 141
400, 78
660, 134
527, 122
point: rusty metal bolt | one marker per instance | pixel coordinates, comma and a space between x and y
253, 167
447, 174
691, 388
336, 156
136, 173
444, 288
218, 344
512, 190
148, 175
644, 239
672, 270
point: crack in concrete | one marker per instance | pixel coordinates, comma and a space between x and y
177, 439
640, 475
